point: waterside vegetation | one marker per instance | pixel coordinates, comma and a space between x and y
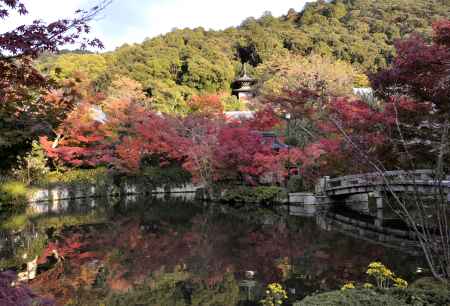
156, 114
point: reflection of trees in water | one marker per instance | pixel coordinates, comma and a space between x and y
190, 252
17, 248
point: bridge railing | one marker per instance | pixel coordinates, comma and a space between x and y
425, 176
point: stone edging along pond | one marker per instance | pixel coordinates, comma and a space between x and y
67, 192
83, 191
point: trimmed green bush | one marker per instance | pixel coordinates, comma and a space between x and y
352, 297
243, 194
172, 176
369, 297
420, 297
75, 177
429, 283
13, 196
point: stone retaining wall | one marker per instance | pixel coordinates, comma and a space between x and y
62, 193
58, 193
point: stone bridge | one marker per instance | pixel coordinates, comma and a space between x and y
355, 190
420, 181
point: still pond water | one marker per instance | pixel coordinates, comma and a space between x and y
148, 251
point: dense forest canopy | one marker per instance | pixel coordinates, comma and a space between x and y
175, 66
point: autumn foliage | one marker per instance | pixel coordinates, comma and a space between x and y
120, 134
421, 69
208, 105
28, 106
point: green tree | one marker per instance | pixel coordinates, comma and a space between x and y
68, 65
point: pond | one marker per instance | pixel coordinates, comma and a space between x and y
149, 251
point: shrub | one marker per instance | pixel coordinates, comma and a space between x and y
13, 190
13, 196
32, 166
243, 194
75, 177
369, 297
384, 277
354, 297
172, 175
420, 297
348, 286
429, 283
275, 295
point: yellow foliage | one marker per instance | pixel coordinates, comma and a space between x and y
400, 283
14, 189
367, 286
361, 80
384, 276
275, 295
123, 88
68, 65
348, 286
293, 71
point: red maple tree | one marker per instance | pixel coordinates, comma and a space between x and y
24, 112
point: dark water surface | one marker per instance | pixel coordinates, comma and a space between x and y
175, 252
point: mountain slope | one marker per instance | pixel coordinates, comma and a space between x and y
174, 66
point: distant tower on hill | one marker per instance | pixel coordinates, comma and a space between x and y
243, 86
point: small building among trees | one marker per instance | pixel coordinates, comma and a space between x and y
243, 86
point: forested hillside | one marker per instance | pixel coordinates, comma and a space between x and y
173, 67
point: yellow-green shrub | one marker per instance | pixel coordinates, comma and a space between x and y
275, 295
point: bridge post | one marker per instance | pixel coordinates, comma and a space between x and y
379, 199
310, 204
321, 187
379, 202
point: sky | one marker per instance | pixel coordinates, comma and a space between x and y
132, 21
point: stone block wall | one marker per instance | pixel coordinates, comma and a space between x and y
71, 192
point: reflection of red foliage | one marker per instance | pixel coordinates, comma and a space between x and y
206, 249
73, 248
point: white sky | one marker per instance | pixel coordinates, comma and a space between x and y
129, 21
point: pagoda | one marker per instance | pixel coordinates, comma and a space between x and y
243, 86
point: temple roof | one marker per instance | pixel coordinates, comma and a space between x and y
244, 82
244, 77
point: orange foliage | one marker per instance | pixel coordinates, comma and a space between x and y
208, 105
